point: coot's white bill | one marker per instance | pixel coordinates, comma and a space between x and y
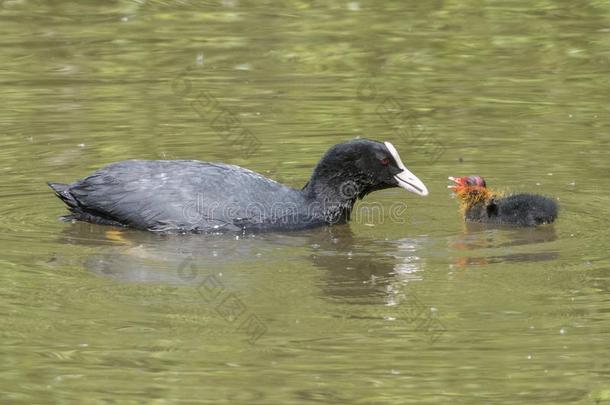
406, 179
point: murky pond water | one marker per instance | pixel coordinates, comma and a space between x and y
414, 308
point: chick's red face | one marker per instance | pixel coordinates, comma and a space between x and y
466, 181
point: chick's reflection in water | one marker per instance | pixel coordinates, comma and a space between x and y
483, 245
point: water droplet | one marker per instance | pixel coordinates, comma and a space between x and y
353, 6
243, 66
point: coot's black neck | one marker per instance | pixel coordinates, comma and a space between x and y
332, 193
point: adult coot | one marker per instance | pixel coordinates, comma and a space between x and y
193, 196
479, 204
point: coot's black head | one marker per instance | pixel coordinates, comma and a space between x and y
355, 168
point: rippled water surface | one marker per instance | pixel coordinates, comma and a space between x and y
418, 308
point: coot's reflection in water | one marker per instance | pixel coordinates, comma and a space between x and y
353, 266
360, 267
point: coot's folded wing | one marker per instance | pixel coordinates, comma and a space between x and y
178, 195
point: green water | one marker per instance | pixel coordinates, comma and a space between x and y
383, 311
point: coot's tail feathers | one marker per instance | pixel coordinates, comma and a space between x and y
61, 191
77, 211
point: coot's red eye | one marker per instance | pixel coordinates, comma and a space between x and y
384, 161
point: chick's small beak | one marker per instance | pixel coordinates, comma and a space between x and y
405, 178
459, 182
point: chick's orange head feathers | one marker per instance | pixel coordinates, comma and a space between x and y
470, 190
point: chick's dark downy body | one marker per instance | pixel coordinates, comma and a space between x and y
516, 209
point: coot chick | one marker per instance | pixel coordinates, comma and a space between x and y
202, 197
480, 204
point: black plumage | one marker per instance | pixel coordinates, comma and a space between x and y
516, 209
194, 196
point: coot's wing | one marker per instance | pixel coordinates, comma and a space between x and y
179, 195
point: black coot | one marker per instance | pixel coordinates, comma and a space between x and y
193, 196
479, 204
